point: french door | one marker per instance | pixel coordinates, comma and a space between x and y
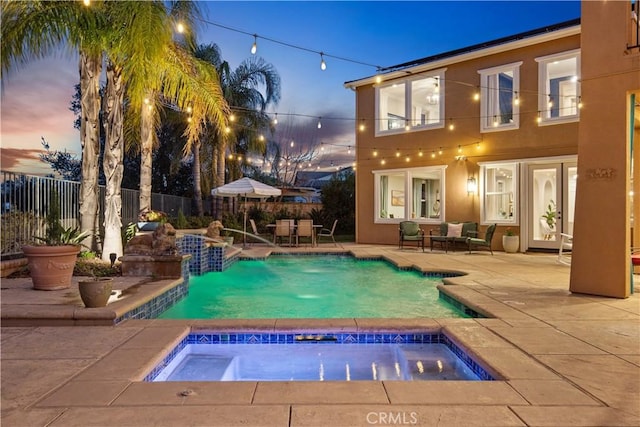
551, 203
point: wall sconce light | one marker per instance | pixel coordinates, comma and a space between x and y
472, 185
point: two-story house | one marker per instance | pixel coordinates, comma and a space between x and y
491, 133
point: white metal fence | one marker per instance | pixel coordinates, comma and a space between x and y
25, 199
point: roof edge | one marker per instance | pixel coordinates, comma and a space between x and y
538, 35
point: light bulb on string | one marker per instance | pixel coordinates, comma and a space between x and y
254, 47
180, 27
538, 117
292, 144
495, 121
516, 99
397, 152
420, 152
550, 102
383, 161
440, 151
349, 149
451, 125
275, 119
375, 153
362, 127
459, 148
323, 65
86, 2
319, 122
579, 102
476, 94
261, 138
433, 155
232, 117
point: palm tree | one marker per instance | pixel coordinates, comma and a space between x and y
143, 55
242, 91
36, 29
128, 34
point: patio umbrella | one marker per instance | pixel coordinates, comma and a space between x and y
249, 188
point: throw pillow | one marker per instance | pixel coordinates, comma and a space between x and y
454, 230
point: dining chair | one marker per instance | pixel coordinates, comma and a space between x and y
305, 230
325, 232
283, 229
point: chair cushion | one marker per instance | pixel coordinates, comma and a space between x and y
454, 230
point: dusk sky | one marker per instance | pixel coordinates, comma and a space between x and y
35, 98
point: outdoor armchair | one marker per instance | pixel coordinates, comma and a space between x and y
483, 243
410, 231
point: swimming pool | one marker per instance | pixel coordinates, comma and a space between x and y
312, 287
348, 356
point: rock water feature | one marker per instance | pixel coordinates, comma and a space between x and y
154, 254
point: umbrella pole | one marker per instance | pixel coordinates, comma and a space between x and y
244, 234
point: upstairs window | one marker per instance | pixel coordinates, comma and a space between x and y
410, 104
499, 108
559, 87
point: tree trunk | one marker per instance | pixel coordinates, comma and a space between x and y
90, 68
218, 178
112, 165
146, 151
197, 185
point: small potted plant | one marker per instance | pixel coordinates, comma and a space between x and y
149, 220
510, 241
51, 263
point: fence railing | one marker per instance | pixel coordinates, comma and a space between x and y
25, 200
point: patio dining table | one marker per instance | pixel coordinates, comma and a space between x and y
316, 227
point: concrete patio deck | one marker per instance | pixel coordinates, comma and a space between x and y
564, 359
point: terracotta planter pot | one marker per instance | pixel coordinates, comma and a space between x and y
51, 267
96, 292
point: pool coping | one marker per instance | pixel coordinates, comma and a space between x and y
561, 353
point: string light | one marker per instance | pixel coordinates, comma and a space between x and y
539, 117
375, 153
397, 152
433, 155
516, 98
86, 2
550, 102
459, 148
275, 119
319, 122
323, 65
579, 102
180, 27
254, 47
420, 152
451, 125
362, 126
232, 118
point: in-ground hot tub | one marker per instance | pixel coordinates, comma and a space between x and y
317, 357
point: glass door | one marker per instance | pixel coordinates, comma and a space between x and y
552, 191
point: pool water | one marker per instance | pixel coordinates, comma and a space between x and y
312, 287
316, 362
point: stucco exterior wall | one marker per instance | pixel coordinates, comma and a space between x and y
610, 73
461, 80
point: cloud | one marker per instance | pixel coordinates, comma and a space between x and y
23, 160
